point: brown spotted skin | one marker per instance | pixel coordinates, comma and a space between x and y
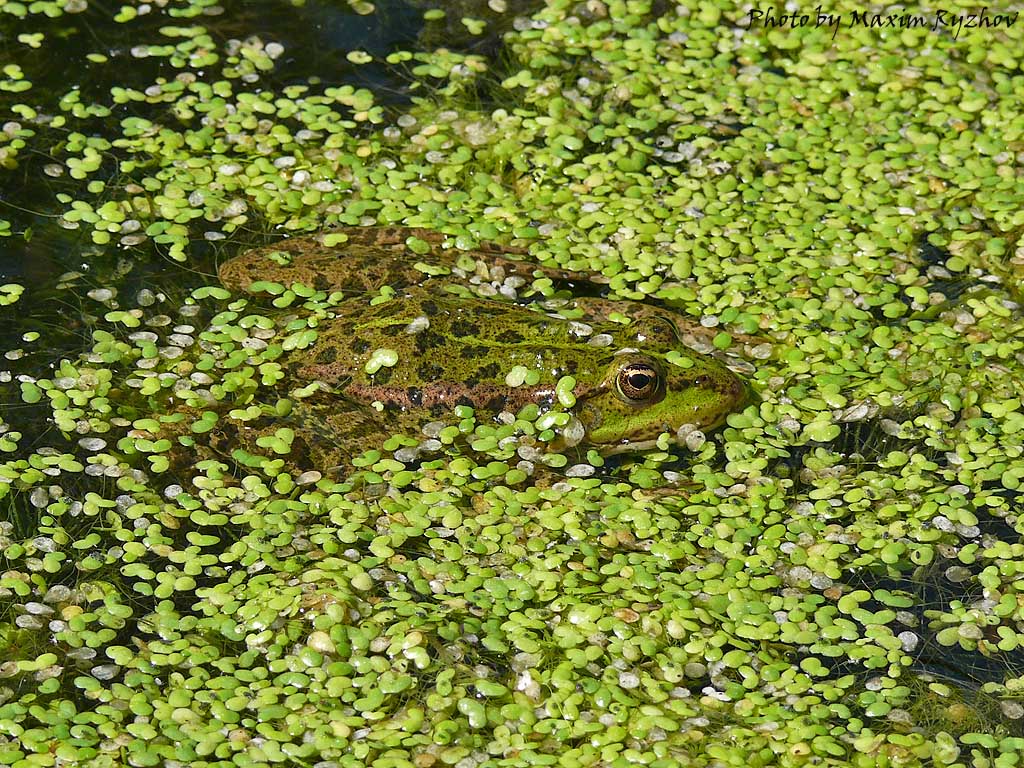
459, 349
371, 258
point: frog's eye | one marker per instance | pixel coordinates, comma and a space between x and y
638, 382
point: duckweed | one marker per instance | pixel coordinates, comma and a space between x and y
832, 577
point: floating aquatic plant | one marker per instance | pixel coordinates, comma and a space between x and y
781, 591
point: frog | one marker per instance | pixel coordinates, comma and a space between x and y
421, 328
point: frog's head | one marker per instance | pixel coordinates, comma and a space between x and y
657, 386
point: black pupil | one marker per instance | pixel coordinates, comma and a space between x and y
639, 380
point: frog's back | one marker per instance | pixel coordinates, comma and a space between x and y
367, 258
451, 350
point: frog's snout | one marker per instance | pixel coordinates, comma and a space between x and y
727, 391
724, 384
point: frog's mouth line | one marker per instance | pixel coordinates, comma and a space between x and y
646, 445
